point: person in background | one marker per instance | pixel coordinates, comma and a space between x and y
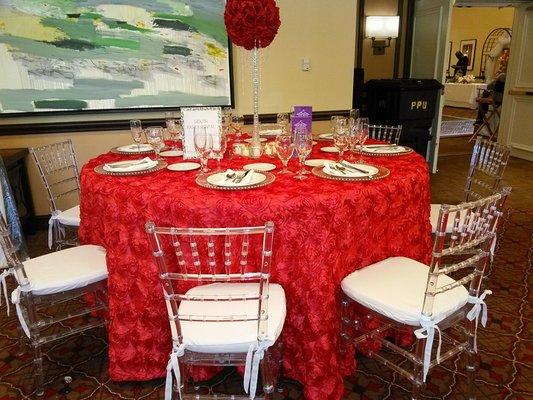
494, 88
461, 65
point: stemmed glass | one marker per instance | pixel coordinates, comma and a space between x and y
283, 121
353, 138
284, 148
154, 137
363, 136
226, 120
203, 143
303, 144
136, 132
174, 129
218, 151
237, 122
341, 139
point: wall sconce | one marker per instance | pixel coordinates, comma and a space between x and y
381, 29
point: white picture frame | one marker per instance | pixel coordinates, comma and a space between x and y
210, 117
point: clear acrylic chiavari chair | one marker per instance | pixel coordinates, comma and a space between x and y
385, 133
442, 303
221, 307
49, 299
487, 166
59, 172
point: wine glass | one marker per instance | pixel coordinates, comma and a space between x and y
283, 120
174, 129
154, 137
353, 138
203, 143
303, 144
363, 136
341, 140
284, 148
218, 151
136, 130
237, 122
354, 116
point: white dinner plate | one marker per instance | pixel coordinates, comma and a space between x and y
315, 162
329, 149
171, 153
260, 139
183, 166
352, 173
133, 148
220, 180
327, 136
260, 166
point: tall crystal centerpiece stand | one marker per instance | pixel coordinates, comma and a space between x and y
255, 145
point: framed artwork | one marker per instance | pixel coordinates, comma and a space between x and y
468, 48
80, 56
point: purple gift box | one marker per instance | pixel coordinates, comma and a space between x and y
302, 116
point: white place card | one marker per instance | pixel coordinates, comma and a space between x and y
210, 117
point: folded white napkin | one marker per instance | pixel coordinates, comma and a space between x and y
270, 132
224, 181
130, 166
133, 148
328, 135
329, 168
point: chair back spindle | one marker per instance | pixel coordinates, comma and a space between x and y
385, 133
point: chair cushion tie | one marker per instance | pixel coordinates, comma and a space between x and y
479, 307
255, 354
428, 332
3, 288
173, 367
15, 299
53, 222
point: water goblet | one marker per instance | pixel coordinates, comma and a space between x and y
226, 120
341, 140
203, 144
218, 151
363, 136
154, 137
303, 145
283, 120
284, 149
237, 122
136, 130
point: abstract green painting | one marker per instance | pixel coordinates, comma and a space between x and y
115, 54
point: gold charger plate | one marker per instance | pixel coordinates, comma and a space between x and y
201, 180
382, 173
160, 165
407, 150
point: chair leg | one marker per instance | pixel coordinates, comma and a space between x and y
38, 369
345, 324
267, 374
418, 371
471, 362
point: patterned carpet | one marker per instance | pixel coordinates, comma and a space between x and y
506, 345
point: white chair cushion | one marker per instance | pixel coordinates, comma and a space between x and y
222, 337
395, 288
434, 218
67, 269
70, 217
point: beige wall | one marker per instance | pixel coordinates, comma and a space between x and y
477, 23
323, 32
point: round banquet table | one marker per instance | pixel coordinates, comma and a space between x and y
324, 230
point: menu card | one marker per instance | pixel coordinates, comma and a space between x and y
210, 117
302, 117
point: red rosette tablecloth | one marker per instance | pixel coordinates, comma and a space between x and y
325, 229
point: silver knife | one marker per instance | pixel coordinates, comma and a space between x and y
125, 165
377, 146
349, 166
